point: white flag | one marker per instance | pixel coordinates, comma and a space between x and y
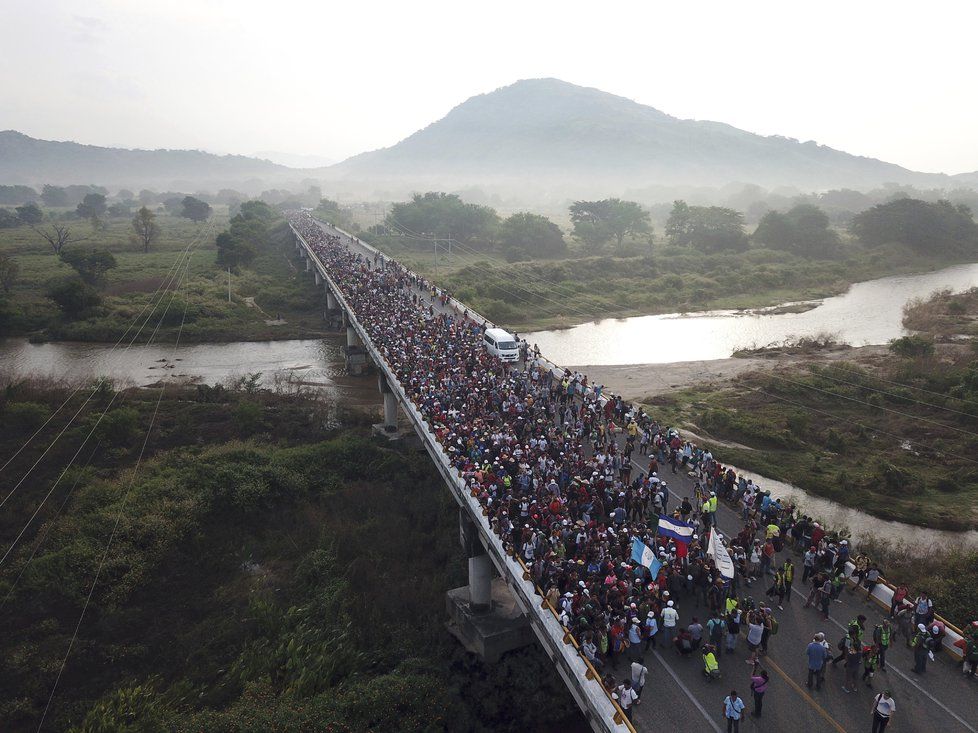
718, 551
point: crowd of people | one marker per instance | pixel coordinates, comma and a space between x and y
569, 478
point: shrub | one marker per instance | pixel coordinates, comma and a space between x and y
912, 346
24, 416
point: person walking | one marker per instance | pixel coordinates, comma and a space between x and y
758, 685
883, 709
817, 655
854, 661
627, 698
639, 674
921, 649
670, 619
733, 707
881, 638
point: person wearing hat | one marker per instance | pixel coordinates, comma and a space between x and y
670, 620
921, 649
817, 656
883, 709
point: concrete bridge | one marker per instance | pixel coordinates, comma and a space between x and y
488, 615
492, 616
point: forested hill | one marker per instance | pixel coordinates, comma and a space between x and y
27, 160
557, 133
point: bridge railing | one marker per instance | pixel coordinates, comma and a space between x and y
578, 673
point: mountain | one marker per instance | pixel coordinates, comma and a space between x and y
554, 133
31, 161
294, 160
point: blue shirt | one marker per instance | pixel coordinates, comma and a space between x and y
733, 707
816, 655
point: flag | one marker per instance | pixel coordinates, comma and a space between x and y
676, 529
642, 555
718, 551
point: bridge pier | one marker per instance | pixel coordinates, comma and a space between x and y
319, 278
484, 615
388, 428
331, 302
308, 264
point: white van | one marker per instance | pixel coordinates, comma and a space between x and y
502, 344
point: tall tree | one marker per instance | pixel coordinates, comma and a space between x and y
145, 227
590, 220
932, 228
626, 219
195, 209
708, 228
524, 235
74, 297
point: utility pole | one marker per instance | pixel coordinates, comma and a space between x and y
229, 284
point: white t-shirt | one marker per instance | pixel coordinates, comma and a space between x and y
626, 697
885, 706
639, 671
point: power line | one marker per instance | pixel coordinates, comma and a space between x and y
118, 520
878, 407
91, 432
167, 278
906, 386
88, 399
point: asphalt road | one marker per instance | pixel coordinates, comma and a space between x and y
678, 698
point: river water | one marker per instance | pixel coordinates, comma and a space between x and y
868, 313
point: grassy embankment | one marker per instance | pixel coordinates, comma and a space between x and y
273, 280
269, 574
894, 437
555, 293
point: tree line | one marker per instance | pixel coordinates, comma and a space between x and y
804, 229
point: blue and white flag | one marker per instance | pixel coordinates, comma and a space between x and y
674, 528
642, 555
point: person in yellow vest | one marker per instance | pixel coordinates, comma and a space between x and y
711, 667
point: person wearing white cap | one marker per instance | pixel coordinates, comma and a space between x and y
921, 649
670, 620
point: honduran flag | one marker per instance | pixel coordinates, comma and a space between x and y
674, 528
642, 555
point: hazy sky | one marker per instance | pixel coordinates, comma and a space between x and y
891, 80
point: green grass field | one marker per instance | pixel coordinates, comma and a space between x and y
270, 288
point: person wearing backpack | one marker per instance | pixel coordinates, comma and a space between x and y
715, 629
758, 685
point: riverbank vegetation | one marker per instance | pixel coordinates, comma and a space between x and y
524, 273
261, 570
893, 435
87, 279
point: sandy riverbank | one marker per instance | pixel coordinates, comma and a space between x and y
637, 381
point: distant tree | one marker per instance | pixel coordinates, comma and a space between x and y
145, 227
591, 225
803, 230
16, 195
173, 205
8, 272
234, 252
119, 209
444, 215
124, 194
257, 210
530, 235
58, 236
626, 219
929, 228
8, 219
91, 266
74, 297
30, 213
710, 229
54, 195
93, 208
147, 197
195, 209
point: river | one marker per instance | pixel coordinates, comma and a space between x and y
868, 313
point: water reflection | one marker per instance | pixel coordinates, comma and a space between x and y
869, 313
